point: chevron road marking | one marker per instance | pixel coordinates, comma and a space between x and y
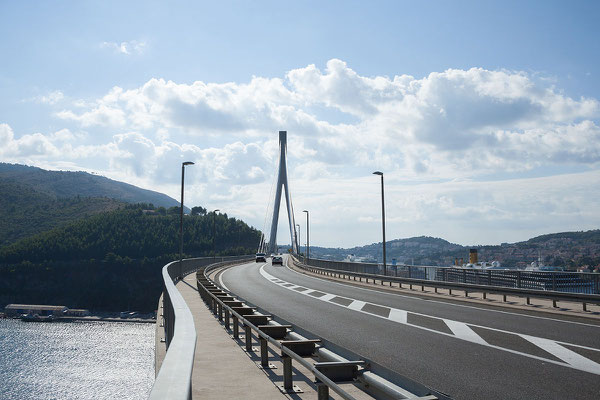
568, 356
460, 330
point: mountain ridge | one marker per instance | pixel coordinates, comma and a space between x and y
61, 184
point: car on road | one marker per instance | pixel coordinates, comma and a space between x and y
277, 260
261, 257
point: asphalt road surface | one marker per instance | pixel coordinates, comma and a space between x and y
465, 351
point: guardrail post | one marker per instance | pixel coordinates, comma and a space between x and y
489, 274
220, 308
410, 272
554, 304
227, 319
264, 353
236, 328
287, 372
584, 306
322, 391
248, 334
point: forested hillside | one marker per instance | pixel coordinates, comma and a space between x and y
112, 261
66, 184
25, 211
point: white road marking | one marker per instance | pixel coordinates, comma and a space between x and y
576, 360
442, 302
399, 316
357, 305
460, 331
221, 280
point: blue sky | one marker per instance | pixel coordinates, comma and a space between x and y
483, 115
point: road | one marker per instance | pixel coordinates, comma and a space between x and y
466, 351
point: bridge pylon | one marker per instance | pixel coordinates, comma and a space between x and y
282, 183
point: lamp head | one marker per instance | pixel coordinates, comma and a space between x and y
306, 211
378, 173
187, 163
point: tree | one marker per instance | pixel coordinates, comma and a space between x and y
173, 210
198, 210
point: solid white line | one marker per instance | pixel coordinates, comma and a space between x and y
462, 331
221, 280
576, 360
443, 302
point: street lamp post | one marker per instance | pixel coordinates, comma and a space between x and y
298, 239
307, 242
382, 219
183, 164
214, 233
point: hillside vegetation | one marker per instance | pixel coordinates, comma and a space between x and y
112, 261
66, 184
25, 211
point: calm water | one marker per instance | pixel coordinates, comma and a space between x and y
75, 360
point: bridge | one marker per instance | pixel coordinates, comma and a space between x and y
237, 328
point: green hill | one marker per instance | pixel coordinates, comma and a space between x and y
112, 261
25, 211
568, 250
66, 184
132, 233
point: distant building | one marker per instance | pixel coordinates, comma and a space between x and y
13, 310
77, 312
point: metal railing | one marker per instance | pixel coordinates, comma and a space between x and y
574, 282
174, 379
347, 270
336, 368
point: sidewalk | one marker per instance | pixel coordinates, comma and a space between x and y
222, 370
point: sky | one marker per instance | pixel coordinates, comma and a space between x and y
484, 116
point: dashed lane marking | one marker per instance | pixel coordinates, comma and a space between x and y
451, 328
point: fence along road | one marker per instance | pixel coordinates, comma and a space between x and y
465, 351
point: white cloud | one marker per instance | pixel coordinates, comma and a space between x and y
127, 48
457, 126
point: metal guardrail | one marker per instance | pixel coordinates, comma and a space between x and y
336, 369
555, 296
174, 379
576, 282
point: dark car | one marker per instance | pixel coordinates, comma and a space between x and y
261, 257
277, 260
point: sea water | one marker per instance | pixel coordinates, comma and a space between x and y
75, 360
